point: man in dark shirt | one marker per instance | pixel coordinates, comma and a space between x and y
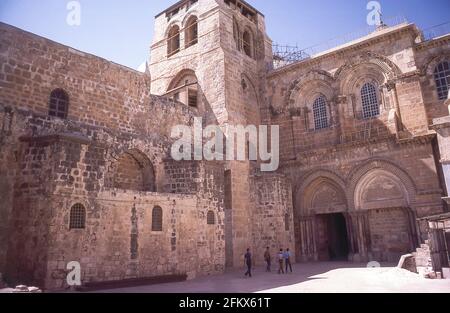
248, 262
268, 259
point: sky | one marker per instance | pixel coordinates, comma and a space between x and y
121, 31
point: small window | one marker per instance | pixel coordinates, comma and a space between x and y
211, 218
77, 217
59, 104
442, 79
191, 32
370, 105
173, 41
287, 222
320, 114
157, 219
192, 98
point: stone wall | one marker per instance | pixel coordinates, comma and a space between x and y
383, 59
272, 216
113, 129
58, 170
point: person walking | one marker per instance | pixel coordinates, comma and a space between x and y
248, 262
268, 260
281, 261
287, 260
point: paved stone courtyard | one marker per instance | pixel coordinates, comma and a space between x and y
308, 278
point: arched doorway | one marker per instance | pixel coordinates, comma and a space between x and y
333, 237
321, 221
382, 197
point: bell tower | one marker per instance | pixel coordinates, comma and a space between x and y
213, 56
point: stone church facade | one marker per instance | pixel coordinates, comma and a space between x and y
87, 176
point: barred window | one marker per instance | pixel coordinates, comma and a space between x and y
370, 105
442, 79
59, 104
173, 41
191, 32
192, 98
157, 219
211, 218
77, 217
320, 113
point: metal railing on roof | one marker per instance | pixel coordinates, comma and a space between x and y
436, 31
285, 55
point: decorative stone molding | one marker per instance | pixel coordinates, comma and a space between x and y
312, 177
313, 75
429, 66
385, 165
387, 66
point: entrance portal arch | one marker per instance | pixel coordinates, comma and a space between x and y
321, 218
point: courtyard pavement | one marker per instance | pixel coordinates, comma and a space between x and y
307, 278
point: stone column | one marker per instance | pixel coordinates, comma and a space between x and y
392, 88
307, 249
442, 127
360, 236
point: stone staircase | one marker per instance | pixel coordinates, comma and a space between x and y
423, 259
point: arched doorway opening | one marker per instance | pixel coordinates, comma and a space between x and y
383, 195
322, 219
333, 237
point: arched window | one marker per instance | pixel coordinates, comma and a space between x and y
191, 32
211, 218
77, 217
157, 219
442, 79
59, 104
247, 43
184, 88
370, 105
132, 170
320, 113
173, 41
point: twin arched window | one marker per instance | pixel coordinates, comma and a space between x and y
190, 36
320, 113
77, 217
59, 104
370, 104
442, 79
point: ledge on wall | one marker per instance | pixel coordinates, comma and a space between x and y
134, 282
